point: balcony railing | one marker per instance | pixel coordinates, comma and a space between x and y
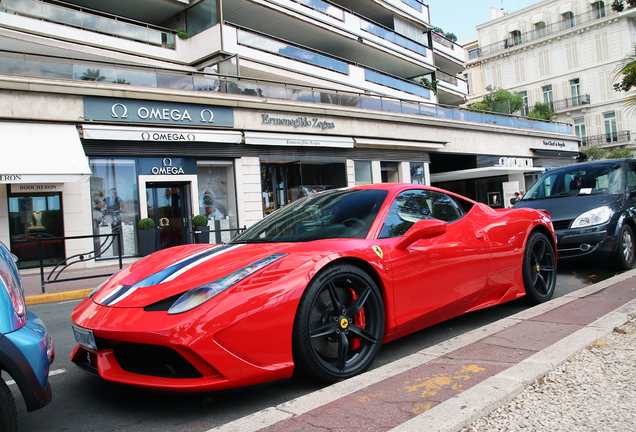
323, 7
392, 36
91, 20
524, 38
444, 41
606, 138
569, 103
27, 65
443, 76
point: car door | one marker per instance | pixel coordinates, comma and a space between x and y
438, 274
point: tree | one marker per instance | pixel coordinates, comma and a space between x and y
621, 153
492, 100
542, 110
594, 153
450, 36
627, 70
93, 75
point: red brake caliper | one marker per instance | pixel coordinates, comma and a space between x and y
358, 320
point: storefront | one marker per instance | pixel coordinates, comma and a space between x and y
39, 175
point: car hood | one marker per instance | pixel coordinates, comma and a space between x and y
567, 208
171, 272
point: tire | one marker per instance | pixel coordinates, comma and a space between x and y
539, 269
625, 251
9, 421
339, 324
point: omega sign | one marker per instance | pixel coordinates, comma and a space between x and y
167, 168
120, 110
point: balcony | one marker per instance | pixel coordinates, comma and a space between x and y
449, 56
42, 68
544, 32
570, 103
91, 20
606, 139
451, 90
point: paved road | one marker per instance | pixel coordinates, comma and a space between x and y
84, 403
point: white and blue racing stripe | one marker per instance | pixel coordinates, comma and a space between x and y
167, 274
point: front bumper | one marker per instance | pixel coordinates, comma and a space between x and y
26, 355
594, 242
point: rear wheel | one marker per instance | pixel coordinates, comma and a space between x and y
8, 411
625, 251
339, 324
539, 268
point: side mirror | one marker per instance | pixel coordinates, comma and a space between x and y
423, 229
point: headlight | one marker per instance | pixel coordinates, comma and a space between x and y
201, 294
99, 287
597, 216
13, 287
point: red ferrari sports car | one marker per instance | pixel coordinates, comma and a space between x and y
315, 288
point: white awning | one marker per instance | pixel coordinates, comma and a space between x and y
475, 173
150, 134
383, 143
565, 8
537, 18
41, 153
513, 27
281, 139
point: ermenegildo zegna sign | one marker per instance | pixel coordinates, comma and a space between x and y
134, 111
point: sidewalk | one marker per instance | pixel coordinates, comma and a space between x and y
447, 386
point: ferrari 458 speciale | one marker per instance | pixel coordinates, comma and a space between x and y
315, 288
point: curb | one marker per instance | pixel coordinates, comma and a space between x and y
60, 296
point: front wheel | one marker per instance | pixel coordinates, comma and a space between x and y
625, 250
539, 269
339, 324
9, 421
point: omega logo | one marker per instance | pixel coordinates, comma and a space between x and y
119, 110
167, 168
113, 110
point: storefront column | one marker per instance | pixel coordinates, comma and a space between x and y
351, 173
404, 172
248, 186
376, 171
4, 216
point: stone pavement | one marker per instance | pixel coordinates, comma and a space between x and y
444, 387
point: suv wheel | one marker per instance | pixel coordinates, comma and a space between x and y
625, 251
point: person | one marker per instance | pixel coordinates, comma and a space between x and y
515, 199
113, 205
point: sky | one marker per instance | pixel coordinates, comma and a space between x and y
462, 16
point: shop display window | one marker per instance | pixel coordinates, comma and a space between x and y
217, 198
114, 203
417, 173
363, 171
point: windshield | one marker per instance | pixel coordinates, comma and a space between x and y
596, 179
341, 213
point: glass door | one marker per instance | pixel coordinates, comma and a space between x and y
167, 206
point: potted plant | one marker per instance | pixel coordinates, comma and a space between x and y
201, 229
208, 202
146, 228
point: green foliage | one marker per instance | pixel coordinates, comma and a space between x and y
146, 224
481, 106
182, 34
431, 85
449, 36
621, 153
93, 75
626, 72
542, 110
200, 220
618, 6
495, 95
594, 153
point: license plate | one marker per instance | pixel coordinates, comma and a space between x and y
85, 337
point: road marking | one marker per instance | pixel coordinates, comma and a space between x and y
51, 373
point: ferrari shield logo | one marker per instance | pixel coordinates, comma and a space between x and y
377, 251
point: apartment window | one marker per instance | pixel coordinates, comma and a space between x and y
602, 47
575, 89
548, 95
579, 129
525, 110
572, 56
540, 29
496, 76
544, 63
473, 53
514, 39
568, 20
598, 9
611, 131
520, 70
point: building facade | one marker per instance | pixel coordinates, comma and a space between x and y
565, 53
112, 112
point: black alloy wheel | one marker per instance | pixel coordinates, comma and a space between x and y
539, 268
339, 324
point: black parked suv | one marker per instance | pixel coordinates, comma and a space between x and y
592, 206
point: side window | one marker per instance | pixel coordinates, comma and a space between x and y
414, 205
631, 177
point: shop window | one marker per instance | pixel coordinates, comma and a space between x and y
364, 174
389, 172
115, 204
217, 198
283, 183
417, 173
33, 216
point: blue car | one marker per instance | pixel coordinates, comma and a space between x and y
26, 349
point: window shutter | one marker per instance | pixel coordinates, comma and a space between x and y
619, 120
597, 124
